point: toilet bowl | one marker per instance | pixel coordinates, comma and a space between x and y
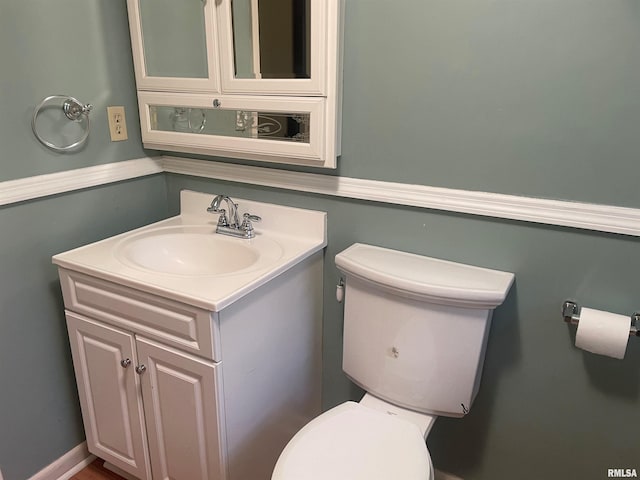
415, 333
359, 441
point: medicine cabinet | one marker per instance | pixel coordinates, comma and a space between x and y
253, 79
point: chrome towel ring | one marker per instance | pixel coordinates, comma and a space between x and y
74, 111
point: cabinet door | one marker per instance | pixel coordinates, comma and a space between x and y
174, 45
109, 394
276, 129
184, 419
278, 47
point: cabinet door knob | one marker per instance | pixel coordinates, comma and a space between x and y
140, 369
217, 103
125, 362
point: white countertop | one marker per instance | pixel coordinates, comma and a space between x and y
299, 233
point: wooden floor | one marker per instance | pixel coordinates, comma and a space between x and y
95, 471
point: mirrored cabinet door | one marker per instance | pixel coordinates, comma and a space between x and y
273, 67
289, 130
174, 44
275, 46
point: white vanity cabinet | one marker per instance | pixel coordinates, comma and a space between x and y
250, 79
110, 399
131, 387
170, 390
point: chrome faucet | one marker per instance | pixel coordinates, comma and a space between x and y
233, 211
233, 227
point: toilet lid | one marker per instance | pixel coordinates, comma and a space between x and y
353, 442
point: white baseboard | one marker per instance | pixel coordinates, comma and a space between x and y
79, 457
66, 466
118, 471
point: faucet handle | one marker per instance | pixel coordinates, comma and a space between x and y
251, 218
222, 219
247, 225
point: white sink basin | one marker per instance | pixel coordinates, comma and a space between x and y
183, 259
195, 250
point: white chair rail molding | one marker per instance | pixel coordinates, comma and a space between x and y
587, 216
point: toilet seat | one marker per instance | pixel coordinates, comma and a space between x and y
354, 442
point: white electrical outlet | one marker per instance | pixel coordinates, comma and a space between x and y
117, 125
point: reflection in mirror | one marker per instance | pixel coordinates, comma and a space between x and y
272, 38
280, 126
174, 38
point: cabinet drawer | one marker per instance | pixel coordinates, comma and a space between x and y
188, 328
294, 128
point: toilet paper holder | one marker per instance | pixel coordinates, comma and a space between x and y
571, 314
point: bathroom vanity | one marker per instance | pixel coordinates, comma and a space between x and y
197, 356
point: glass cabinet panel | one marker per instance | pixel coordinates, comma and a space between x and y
272, 38
175, 43
288, 130
274, 47
249, 124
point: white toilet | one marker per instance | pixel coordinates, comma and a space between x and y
415, 332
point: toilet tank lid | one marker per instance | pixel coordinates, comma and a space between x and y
425, 278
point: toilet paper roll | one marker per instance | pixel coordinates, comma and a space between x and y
603, 333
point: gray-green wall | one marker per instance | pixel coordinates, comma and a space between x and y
39, 410
69, 47
79, 48
528, 98
538, 98
545, 409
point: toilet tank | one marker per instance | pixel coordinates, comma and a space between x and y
416, 328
